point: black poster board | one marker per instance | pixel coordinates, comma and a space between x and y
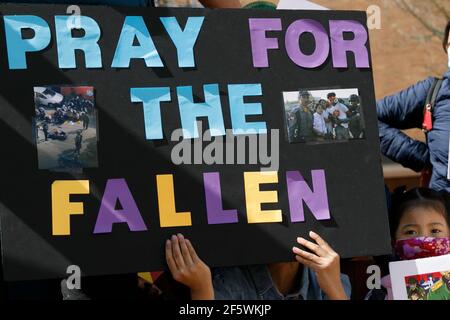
358, 221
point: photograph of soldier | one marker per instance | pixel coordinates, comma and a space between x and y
304, 118
78, 142
85, 119
355, 123
65, 127
323, 115
45, 130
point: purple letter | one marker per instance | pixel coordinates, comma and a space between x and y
321, 51
213, 195
339, 46
260, 44
298, 190
117, 189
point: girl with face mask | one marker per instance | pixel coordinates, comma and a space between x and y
420, 228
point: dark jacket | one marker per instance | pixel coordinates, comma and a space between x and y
404, 110
305, 121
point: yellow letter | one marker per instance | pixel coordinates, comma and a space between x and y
62, 208
254, 197
168, 215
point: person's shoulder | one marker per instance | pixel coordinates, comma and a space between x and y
429, 80
422, 85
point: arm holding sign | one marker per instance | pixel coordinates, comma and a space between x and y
246, 282
404, 110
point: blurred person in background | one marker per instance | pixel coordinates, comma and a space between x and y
406, 110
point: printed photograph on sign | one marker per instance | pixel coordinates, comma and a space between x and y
421, 279
428, 286
65, 127
323, 115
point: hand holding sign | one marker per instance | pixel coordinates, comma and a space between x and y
187, 268
325, 262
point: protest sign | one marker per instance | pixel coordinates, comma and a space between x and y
128, 125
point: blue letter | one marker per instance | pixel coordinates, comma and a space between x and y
17, 47
125, 51
184, 40
239, 109
88, 44
190, 111
151, 99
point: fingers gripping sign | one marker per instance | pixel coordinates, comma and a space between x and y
324, 261
188, 269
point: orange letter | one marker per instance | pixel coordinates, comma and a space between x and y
254, 197
62, 208
168, 215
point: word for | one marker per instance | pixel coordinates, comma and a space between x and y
339, 46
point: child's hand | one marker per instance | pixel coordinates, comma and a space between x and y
187, 268
325, 262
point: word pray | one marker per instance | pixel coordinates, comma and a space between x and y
134, 28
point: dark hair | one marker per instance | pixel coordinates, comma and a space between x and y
317, 105
353, 97
446, 32
331, 94
303, 94
418, 197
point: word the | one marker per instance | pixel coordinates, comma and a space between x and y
152, 97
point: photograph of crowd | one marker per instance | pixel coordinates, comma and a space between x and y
429, 286
323, 115
65, 127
